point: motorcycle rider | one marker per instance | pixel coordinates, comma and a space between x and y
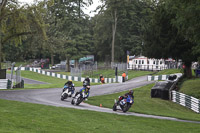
130, 93
86, 82
86, 90
69, 84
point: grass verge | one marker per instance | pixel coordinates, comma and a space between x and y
191, 87
53, 82
21, 117
109, 73
147, 105
169, 71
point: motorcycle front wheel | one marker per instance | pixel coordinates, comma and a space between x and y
125, 108
79, 100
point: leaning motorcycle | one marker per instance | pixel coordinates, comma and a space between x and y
124, 104
67, 92
80, 97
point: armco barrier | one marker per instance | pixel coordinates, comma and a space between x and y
161, 77
5, 84
187, 101
74, 78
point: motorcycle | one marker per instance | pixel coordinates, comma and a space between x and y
67, 92
80, 97
124, 104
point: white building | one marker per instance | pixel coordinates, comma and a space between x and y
144, 63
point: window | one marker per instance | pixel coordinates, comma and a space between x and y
136, 62
154, 62
142, 61
139, 61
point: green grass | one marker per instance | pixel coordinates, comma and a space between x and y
109, 73
18, 117
53, 82
133, 74
64, 73
169, 71
17, 64
191, 87
147, 105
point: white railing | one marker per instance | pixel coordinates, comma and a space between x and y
186, 101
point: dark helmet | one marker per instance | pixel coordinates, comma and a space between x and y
87, 78
70, 82
130, 92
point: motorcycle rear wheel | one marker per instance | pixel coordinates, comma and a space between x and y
114, 107
72, 102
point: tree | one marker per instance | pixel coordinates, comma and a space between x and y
17, 22
126, 21
163, 39
68, 31
187, 21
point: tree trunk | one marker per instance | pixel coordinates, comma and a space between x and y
76, 64
114, 27
188, 71
79, 4
52, 59
67, 65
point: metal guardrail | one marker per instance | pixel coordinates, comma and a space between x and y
74, 78
180, 98
161, 77
5, 84
186, 101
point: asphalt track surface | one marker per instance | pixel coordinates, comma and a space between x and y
52, 97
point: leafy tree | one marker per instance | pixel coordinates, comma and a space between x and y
17, 22
163, 39
187, 21
68, 31
121, 24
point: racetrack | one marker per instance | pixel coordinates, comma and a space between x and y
52, 97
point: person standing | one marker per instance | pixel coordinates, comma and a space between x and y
123, 77
102, 79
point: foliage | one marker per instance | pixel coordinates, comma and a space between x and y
158, 29
17, 22
69, 30
187, 20
130, 20
164, 35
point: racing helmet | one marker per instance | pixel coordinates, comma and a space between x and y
70, 82
130, 92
